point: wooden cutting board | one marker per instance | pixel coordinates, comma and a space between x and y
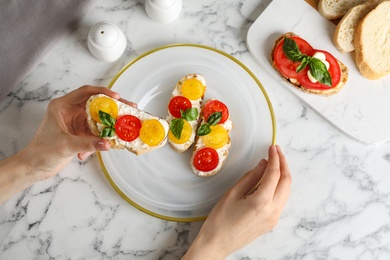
313, 3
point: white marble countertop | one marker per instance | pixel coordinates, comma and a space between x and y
339, 205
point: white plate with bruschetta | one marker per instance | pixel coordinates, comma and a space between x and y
161, 183
358, 109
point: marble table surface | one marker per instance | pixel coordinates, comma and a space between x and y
339, 206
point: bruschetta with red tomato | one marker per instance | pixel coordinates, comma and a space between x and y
124, 126
184, 111
310, 70
213, 139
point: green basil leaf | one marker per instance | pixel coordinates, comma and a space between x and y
319, 72
107, 132
306, 60
291, 50
106, 118
214, 118
204, 129
176, 127
190, 114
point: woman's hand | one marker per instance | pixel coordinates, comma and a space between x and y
63, 133
238, 218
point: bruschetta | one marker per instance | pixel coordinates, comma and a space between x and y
184, 111
213, 139
124, 126
308, 69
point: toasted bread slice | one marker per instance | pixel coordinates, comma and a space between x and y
197, 103
372, 43
136, 146
345, 30
335, 9
295, 83
223, 152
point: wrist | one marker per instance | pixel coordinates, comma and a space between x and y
26, 166
204, 247
15, 176
35, 162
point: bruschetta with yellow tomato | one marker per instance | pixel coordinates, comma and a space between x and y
184, 111
124, 126
213, 139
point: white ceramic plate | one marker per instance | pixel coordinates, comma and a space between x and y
360, 109
161, 183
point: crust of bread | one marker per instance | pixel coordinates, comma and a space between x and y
114, 143
371, 43
335, 9
295, 83
343, 36
182, 148
224, 157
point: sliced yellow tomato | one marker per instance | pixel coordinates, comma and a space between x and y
104, 104
192, 89
185, 134
217, 138
152, 132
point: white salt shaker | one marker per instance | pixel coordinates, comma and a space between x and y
164, 11
106, 41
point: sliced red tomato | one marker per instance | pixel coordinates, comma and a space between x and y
177, 104
206, 159
334, 71
213, 106
288, 67
127, 127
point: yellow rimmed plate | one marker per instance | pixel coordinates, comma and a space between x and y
161, 183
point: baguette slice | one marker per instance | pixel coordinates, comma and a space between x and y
345, 30
136, 146
223, 152
295, 83
197, 103
335, 9
372, 43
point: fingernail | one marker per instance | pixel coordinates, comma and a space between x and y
101, 146
80, 156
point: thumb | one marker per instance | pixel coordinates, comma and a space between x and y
250, 179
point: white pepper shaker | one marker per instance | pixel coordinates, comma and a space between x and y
163, 11
106, 41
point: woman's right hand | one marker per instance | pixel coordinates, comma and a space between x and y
239, 218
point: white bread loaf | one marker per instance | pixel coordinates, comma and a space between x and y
372, 42
136, 146
345, 30
335, 9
